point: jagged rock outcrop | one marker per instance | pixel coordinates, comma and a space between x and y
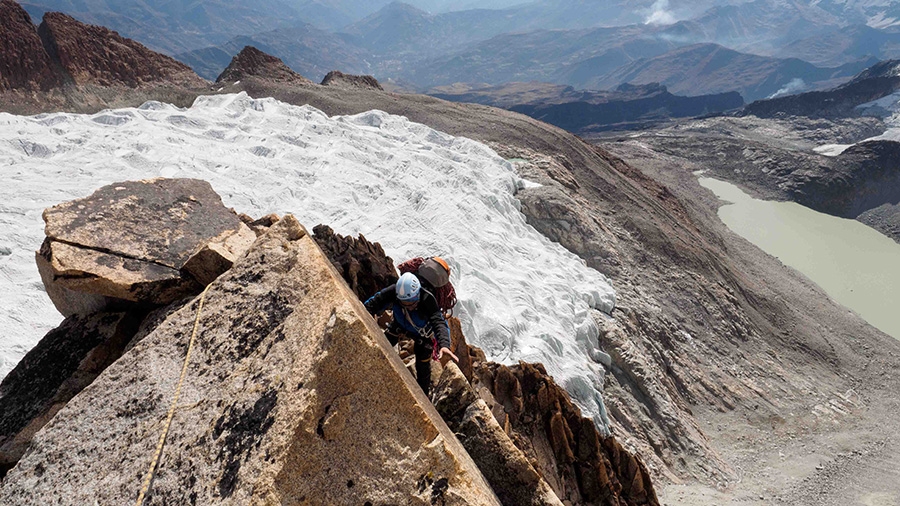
95, 55
364, 265
98, 252
252, 62
338, 79
284, 401
505, 466
65, 361
581, 466
24, 64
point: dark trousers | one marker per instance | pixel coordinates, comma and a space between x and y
422, 347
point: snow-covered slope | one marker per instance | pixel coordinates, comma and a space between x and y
415, 190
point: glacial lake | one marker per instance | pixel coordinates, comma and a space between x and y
856, 265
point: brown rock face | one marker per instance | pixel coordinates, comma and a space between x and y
339, 79
363, 264
145, 242
65, 361
252, 62
24, 64
292, 396
96, 55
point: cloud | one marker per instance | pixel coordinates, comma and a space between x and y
660, 14
793, 86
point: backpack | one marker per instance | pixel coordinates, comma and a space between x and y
436, 273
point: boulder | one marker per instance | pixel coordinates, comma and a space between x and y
139, 242
506, 468
285, 401
65, 361
252, 62
24, 64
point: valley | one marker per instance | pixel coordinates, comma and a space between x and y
726, 372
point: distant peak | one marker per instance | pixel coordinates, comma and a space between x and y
252, 62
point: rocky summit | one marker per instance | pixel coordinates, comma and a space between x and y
873, 83
289, 392
253, 62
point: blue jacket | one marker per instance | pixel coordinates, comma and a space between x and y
427, 319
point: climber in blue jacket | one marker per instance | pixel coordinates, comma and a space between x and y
416, 315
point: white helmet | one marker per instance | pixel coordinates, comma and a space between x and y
408, 288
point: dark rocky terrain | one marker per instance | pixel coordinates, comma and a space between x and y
96, 55
734, 379
338, 79
873, 83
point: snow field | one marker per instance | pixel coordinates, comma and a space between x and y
415, 190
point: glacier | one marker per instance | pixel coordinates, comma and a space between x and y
415, 190
887, 108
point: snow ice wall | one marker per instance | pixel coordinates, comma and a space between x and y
887, 108
415, 190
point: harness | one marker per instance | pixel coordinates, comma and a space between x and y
423, 331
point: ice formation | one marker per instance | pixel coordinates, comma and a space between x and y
887, 108
415, 190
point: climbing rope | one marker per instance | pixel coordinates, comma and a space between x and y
162, 438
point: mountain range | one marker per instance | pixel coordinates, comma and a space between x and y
596, 44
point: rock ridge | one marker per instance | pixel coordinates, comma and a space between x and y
284, 402
338, 79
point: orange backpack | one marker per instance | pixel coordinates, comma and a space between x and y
436, 272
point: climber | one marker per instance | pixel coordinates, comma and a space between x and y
416, 315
